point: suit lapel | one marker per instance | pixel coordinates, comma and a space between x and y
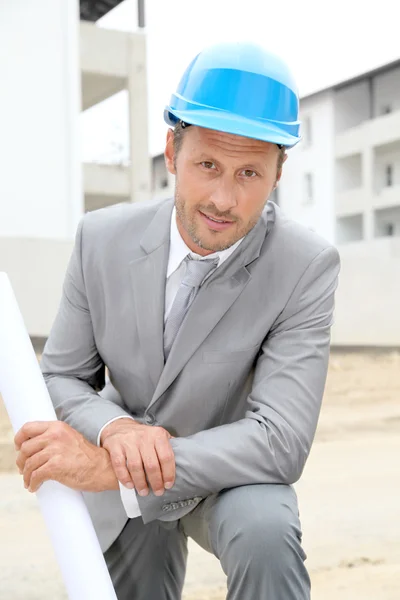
202, 318
214, 299
148, 275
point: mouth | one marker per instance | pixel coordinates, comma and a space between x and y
216, 224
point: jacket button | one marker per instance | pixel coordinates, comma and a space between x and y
150, 419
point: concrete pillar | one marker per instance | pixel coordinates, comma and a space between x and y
41, 198
368, 190
138, 120
40, 183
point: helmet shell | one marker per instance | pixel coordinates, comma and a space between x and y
238, 88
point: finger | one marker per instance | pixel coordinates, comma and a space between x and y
166, 458
33, 464
38, 477
137, 472
29, 448
118, 461
30, 430
152, 468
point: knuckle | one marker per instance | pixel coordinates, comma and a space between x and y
139, 478
134, 465
121, 470
152, 467
57, 429
54, 434
159, 432
117, 459
166, 455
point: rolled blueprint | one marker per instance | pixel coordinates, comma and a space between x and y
26, 399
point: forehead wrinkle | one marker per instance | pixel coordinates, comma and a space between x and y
236, 146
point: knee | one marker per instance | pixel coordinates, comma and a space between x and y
259, 523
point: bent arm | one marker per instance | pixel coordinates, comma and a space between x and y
272, 443
71, 365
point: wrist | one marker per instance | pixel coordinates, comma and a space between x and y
105, 475
113, 427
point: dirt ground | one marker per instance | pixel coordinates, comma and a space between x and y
349, 500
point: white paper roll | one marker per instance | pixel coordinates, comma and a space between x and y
26, 399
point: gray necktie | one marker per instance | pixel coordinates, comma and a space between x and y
196, 272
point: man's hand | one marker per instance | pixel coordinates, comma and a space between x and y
141, 455
53, 450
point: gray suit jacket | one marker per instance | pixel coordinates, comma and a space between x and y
243, 384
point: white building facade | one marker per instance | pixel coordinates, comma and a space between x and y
343, 181
52, 67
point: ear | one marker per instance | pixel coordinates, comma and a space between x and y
279, 174
169, 152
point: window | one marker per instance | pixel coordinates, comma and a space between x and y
386, 110
308, 189
350, 229
306, 132
389, 175
388, 229
387, 222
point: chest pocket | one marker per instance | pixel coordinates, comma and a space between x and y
215, 356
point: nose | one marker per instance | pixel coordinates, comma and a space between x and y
224, 195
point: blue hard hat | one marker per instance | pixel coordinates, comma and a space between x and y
238, 88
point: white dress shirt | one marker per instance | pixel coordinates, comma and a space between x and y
178, 251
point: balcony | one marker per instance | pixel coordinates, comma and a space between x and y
375, 132
105, 72
105, 185
387, 197
378, 249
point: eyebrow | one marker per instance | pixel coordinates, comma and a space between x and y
256, 166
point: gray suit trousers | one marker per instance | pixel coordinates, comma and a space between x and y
253, 530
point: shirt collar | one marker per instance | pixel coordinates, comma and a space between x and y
178, 250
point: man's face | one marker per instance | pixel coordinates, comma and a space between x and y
222, 184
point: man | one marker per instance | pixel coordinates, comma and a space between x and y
212, 314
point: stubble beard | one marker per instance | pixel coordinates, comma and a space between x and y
189, 224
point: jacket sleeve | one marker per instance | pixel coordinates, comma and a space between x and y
71, 364
272, 442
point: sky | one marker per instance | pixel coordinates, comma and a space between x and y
323, 41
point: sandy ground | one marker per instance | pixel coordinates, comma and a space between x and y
349, 500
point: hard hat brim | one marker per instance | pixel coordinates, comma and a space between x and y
263, 130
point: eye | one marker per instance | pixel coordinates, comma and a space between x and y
249, 173
207, 164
